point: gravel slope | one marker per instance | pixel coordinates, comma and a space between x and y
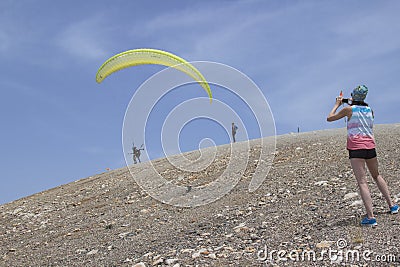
308, 203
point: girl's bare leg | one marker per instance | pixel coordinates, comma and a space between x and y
358, 166
372, 165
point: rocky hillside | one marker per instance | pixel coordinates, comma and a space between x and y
305, 213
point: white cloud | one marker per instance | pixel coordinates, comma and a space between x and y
83, 39
204, 30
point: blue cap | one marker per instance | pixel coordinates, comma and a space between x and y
359, 93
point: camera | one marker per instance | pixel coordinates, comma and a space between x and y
345, 100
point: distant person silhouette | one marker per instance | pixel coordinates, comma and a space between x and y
136, 154
234, 130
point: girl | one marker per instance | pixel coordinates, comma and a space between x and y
361, 147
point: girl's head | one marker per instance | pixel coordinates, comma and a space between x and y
359, 93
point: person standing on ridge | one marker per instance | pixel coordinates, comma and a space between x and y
234, 129
361, 147
136, 153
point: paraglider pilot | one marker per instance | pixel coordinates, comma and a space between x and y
136, 153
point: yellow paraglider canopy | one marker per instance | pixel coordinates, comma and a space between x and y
150, 56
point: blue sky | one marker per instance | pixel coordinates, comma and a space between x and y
58, 125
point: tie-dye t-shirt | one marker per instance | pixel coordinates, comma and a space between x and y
359, 129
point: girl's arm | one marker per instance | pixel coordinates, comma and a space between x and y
333, 116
